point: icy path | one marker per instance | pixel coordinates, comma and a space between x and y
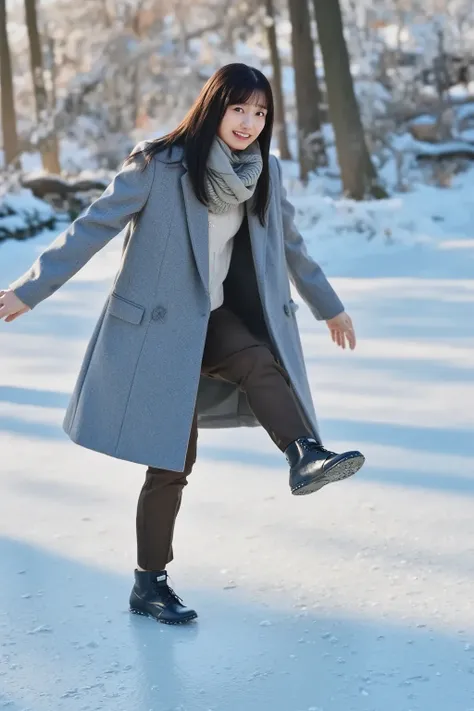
359, 598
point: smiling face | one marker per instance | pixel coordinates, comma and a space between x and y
242, 123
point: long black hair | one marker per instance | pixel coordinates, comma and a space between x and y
232, 84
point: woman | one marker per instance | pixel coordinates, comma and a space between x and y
199, 328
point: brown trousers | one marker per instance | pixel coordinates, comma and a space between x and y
232, 353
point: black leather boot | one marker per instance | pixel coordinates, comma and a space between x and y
312, 466
152, 596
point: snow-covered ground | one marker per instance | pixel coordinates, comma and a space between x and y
358, 598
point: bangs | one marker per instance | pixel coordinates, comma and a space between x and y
248, 95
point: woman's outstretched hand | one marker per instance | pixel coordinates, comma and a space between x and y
341, 328
10, 306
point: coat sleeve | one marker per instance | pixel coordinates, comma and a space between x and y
306, 275
90, 232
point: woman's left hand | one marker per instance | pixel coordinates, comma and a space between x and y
341, 328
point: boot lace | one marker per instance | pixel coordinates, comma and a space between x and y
310, 446
171, 595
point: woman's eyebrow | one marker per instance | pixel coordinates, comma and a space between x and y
243, 103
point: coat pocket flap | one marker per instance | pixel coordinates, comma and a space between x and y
126, 310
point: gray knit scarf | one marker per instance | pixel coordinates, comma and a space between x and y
231, 175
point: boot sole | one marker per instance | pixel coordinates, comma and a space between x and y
341, 470
164, 622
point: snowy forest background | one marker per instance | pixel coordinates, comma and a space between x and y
372, 97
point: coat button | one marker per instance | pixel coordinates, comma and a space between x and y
286, 309
158, 313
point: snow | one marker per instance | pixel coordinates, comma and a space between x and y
467, 135
26, 203
394, 37
423, 120
461, 92
447, 147
73, 157
21, 210
357, 598
465, 111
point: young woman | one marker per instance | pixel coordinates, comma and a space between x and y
199, 328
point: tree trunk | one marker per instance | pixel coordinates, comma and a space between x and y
48, 148
358, 174
280, 123
10, 137
311, 151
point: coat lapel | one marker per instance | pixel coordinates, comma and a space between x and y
198, 225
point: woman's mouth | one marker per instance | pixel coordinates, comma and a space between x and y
242, 136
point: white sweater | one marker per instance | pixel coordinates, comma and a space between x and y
222, 230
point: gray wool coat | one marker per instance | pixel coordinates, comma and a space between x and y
140, 378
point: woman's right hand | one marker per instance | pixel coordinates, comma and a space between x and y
10, 306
